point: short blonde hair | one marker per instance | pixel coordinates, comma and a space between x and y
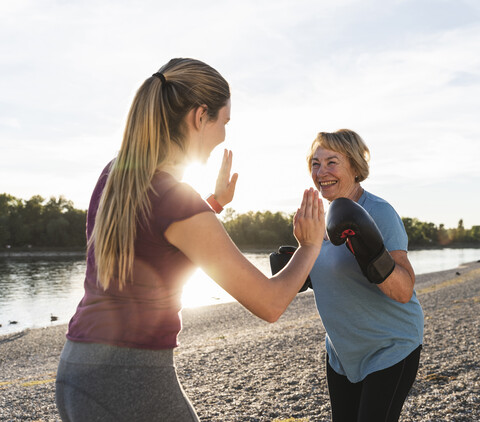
348, 143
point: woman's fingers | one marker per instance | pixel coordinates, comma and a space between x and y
233, 183
303, 206
311, 202
320, 210
309, 220
316, 206
313, 213
227, 161
224, 171
308, 207
225, 185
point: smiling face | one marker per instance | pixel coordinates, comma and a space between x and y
333, 174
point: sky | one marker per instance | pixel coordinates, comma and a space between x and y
404, 74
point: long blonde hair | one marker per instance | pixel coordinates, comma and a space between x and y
155, 127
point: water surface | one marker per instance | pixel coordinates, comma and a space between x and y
33, 289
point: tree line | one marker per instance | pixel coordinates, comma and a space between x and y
267, 229
40, 223
55, 223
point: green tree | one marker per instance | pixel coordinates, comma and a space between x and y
5, 210
57, 232
443, 237
259, 229
19, 234
460, 235
56, 223
36, 223
475, 234
33, 219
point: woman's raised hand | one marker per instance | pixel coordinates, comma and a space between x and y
225, 186
309, 220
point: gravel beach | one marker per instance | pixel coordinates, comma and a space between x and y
235, 367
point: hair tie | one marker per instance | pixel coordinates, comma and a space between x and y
160, 76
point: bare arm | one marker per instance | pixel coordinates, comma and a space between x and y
203, 239
399, 285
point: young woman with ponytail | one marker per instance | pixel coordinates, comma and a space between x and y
147, 232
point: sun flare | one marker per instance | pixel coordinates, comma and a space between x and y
202, 177
201, 290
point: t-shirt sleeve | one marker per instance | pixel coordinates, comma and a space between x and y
391, 226
178, 203
95, 198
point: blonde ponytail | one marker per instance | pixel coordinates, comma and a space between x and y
155, 127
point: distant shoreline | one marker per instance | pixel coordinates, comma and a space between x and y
25, 253
454, 246
80, 252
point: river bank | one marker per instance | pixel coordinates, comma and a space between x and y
235, 367
41, 253
47, 252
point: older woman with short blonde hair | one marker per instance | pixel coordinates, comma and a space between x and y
364, 292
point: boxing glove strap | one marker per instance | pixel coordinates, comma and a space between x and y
381, 267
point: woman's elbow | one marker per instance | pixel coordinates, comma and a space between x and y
270, 319
404, 299
400, 295
272, 314
408, 291
405, 296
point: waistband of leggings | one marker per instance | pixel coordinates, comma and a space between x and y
105, 354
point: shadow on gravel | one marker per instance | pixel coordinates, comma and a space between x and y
13, 337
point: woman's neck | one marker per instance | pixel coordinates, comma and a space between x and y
357, 193
175, 169
175, 164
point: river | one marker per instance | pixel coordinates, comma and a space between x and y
35, 290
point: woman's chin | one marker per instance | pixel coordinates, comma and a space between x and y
326, 194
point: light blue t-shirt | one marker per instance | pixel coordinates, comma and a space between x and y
366, 330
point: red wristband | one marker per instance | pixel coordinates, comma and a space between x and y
214, 204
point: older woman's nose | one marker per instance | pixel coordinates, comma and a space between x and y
317, 172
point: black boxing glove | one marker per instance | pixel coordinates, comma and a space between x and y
279, 259
349, 223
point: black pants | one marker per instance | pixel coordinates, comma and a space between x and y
377, 398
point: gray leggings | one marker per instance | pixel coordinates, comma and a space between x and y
98, 382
